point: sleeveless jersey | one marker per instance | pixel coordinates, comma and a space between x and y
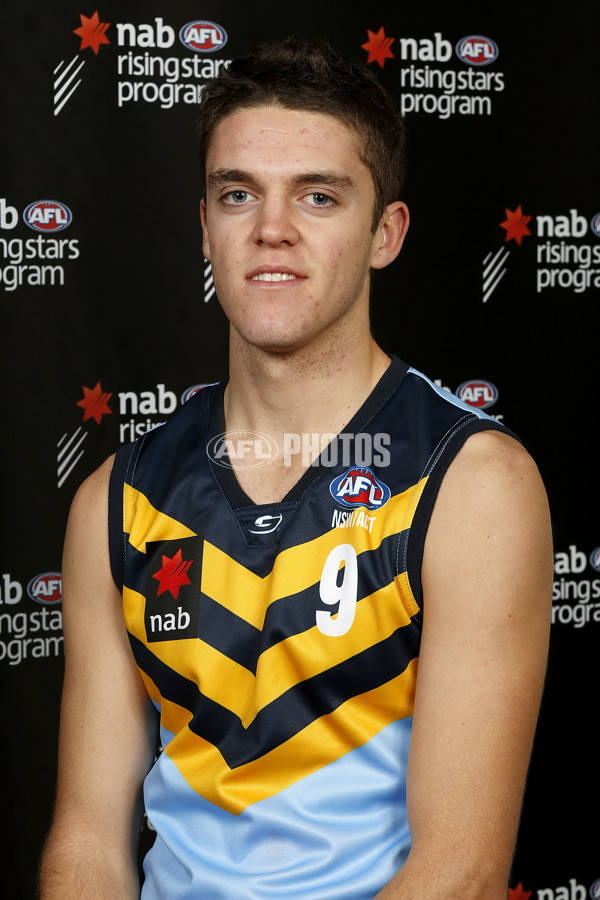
280, 643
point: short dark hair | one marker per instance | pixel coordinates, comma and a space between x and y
310, 75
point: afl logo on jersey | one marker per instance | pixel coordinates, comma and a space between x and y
595, 890
359, 486
479, 394
46, 588
203, 37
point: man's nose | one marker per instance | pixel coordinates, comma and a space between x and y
275, 222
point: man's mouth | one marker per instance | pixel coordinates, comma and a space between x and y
274, 276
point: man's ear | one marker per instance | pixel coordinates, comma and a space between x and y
390, 234
205, 239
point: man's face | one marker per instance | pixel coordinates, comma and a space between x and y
287, 226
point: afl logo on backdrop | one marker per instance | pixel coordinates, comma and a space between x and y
595, 564
46, 588
359, 486
203, 37
47, 215
477, 50
189, 392
479, 394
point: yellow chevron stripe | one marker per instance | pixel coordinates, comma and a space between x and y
193, 659
133, 612
320, 743
149, 524
282, 666
249, 596
310, 653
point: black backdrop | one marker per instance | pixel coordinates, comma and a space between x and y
108, 315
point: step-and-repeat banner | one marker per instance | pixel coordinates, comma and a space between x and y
110, 319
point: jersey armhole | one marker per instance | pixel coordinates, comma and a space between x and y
435, 475
117, 539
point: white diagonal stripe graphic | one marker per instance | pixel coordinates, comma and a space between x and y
69, 442
491, 278
64, 71
209, 288
493, 261
493, 287
60, 90
490, 273
66, 474
68, 451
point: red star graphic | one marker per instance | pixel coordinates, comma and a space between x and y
516, 225
378, 46
519, 893
173, 574
92, 32
94, 403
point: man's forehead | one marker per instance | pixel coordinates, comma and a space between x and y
270, 126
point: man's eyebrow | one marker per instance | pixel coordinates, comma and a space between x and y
329, 179
229, 176
220, 177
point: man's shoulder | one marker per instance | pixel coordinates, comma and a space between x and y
495, 454
493, 475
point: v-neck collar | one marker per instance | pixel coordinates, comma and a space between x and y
225, 475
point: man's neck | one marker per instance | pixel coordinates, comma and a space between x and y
302, 391
287, 396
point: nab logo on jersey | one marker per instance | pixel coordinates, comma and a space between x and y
47, 215
359, 486
46, 588
479, 394
203, 37
477, 50
173, 592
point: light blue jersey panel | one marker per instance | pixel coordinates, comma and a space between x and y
338, 834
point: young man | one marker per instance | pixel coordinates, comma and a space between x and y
273, 606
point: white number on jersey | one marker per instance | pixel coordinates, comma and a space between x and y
344, 594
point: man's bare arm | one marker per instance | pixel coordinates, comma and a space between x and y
107, 731
487, 576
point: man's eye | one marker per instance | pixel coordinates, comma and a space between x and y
236, 197
319, 199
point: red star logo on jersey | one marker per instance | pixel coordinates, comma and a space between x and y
95, 403
515, 225
378, 46
519, 893
92, 32
173, 574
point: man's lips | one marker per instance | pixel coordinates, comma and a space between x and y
274, 275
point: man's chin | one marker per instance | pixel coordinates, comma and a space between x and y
276, 344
